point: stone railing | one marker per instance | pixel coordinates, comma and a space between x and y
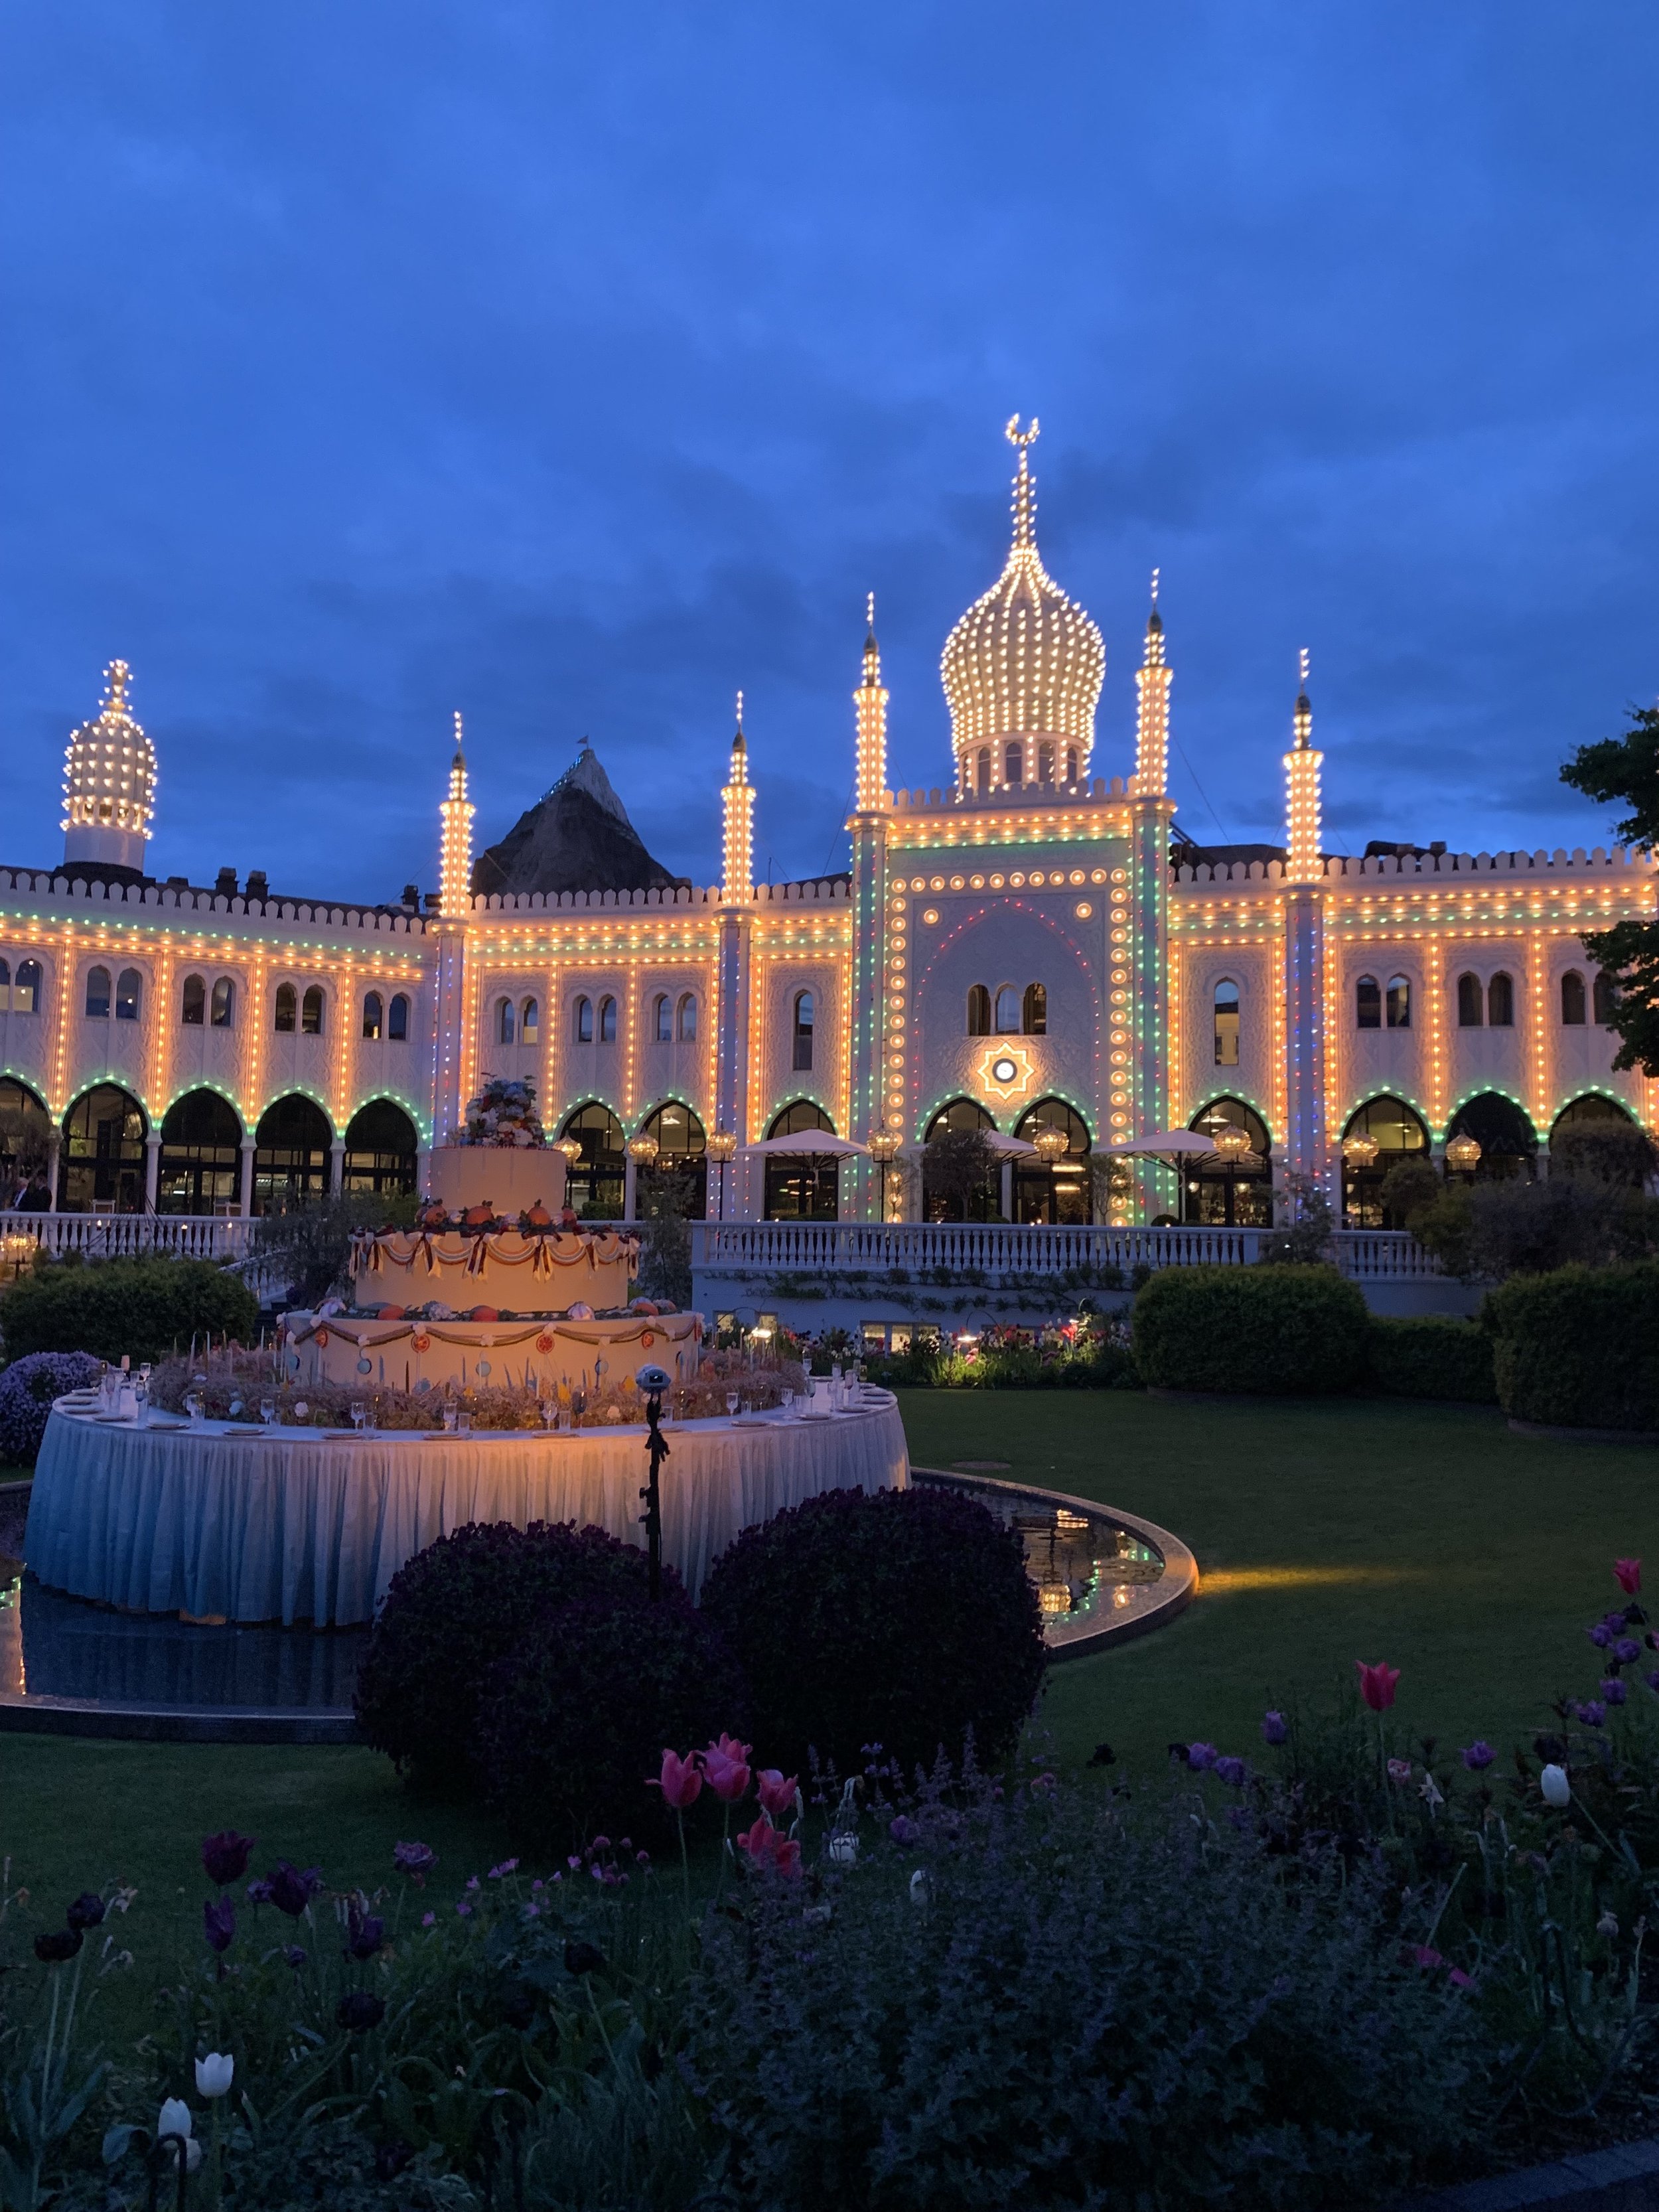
127, 1236
1000, 1248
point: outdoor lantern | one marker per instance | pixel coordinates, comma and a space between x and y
1051, 1145
1233, 1143
1463, 1155
571, 1148
1360, 1150
644, 1149
884, 1148
721, 1145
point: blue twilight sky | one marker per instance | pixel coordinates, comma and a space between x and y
575, 367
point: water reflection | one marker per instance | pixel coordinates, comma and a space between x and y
1085, 1566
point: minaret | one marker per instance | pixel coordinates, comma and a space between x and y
1304, 951
451, 1042
870, 700
455, 865
109, 783
1152, 716
1302, 765
737, 844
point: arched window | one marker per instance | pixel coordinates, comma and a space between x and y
593, 1183
26, 991
1013, 764
1504, 1132
1226, 1023
530, 1023
201, 1163
25, 1126
1607, 996
506, 1023
192, 1002
372, 1014
607, 1021
397, 1026
286, 1009
381, 1149
1008, 1010
1367, 1004
129, 994
1033, 1011
5, 987
680, 1171
1500, 1001
222, 1007
1572, 999
1220, 1190
804, 1185
1399, 1002
1071, 765
1046, 761
582, 1025
979, 1010
662, 1018
311, 1012
688, 1018
290, 1154
983, 767
98, 994
802, 1057
1054, 1190
949, 1192
1398, 1131
1594, 1106
100, 1164
1471, 1010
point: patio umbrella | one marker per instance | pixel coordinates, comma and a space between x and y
1002, 1148
808, 1145
1168, 1142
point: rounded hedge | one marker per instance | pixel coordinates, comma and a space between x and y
1274, 1330
453, 1610
1432, 1356
574, 1724
903, 1617
1579, 1348
27, 1388
149, 1307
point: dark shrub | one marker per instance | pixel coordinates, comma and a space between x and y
1578, 1349
1287, 1330
453, 1610
1432, 1356
111, 1307
1611, 1152
572, 1724
904, 1619
27, 1389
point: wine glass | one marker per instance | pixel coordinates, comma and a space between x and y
359, 1414
464, 1424
450, 1419
193, 1408
788, 1400
267, 1412
548, 1408
732, 1401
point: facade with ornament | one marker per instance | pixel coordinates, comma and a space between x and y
1033, 947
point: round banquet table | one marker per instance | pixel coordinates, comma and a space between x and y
229, 1523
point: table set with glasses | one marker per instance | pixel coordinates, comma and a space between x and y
218, 1519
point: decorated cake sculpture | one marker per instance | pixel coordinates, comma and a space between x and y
498, 1280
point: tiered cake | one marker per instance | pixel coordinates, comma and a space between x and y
497, 1283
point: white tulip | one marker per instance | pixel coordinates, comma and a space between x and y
919, 1886
175, 2120
843, 1851
213, 2074
1557, 1790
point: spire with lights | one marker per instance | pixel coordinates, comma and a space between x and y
1302, 862
737, 844
455, 865
109, 782
1153, 715
870, 700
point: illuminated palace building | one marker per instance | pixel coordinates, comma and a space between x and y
1035, 948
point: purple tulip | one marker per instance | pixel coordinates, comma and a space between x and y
1233, 1772
259, 1890
225, 1857
366, 1934
1653, 1679
416, 1860
87, 1912
295, 1955
1273, 1730
1591, 1712
902, 1829
1613, 1690
1617, 1619
360, 2010
1479, 1754
289, 1889
52, 1950
1202, 1756
219, 1922
1601, 1634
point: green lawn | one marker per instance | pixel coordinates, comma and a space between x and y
1431, 1538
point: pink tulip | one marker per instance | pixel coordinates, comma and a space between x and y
777, 1792
725, 1769
679, 1783
1377, 1684
1627, 1573
767, 1848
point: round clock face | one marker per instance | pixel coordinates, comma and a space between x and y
1004, 1071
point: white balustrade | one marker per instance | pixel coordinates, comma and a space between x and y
127, 1236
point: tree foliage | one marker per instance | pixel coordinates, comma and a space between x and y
1626, 771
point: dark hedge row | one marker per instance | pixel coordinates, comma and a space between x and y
1280, 1332
1579, 1348
147, 1308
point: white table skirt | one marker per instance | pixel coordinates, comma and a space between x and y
251, 1526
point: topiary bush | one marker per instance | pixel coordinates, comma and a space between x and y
903, 1617
1578, 1349
572, 1722
147, 1308
27, 1388
453, 1611
1432, 1356
1285, 1331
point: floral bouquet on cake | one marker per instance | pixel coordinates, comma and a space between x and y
503, 1112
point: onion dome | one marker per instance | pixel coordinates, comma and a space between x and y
1024, 661
109, 782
